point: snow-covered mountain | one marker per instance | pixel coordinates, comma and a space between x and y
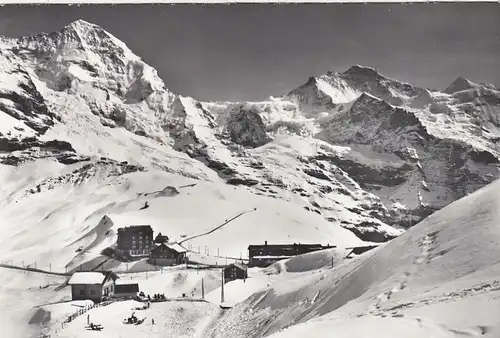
365, 152
88, 130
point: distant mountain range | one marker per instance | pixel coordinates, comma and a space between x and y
365, 152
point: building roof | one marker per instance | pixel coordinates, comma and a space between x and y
284, 246
161, 238
176, 247
238, 265
87, 278
124, 282
136, 228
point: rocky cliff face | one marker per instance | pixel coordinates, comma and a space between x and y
366, 152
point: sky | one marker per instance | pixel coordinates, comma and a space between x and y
253, 51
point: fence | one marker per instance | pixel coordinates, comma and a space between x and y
215, 253
32, 268
82, 311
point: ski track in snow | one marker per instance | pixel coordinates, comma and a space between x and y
451, 296
426, 247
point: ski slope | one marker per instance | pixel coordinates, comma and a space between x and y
440, 279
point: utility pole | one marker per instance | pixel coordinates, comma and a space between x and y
217, 251
50, 267
222, 288
202, 289
332, 261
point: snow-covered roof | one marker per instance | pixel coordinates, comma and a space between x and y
87, 278
272, 257
176, 247
123, 281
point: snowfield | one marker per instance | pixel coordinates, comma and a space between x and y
71, 217
441, 278
92, 140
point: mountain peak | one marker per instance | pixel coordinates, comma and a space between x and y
461, 83
80, 23
361, 70
84, 27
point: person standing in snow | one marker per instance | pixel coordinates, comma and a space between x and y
152, 321
88, 319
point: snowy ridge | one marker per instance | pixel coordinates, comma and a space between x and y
89, 133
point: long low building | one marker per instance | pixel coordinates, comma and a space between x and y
267, 254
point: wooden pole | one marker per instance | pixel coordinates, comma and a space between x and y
222, 288
202, 289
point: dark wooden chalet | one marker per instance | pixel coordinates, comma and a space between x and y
135, 241
235, 271
125, 288
267, 254
168, 254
